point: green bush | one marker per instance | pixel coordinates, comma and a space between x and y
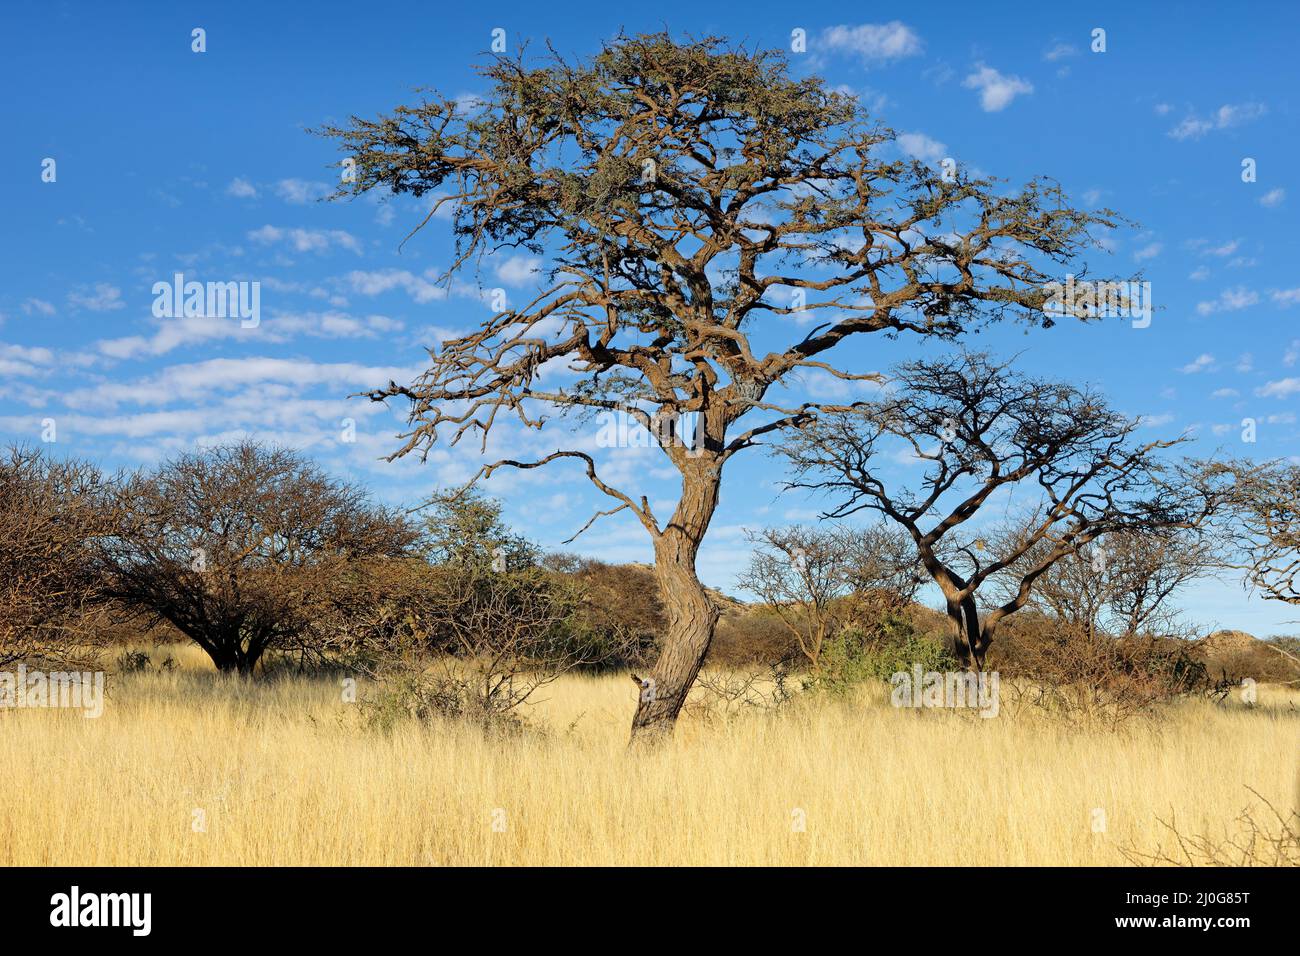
855, 657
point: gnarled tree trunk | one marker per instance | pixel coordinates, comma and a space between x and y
692, 615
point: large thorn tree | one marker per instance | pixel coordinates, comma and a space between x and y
697, 205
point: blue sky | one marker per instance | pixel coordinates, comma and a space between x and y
172, 161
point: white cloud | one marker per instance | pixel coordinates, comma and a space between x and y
1286, 297
470, 103
1148, 252
1273, 197
997, 90
1230, 300
23, 360
1155, 421
241, 188
190, 381
1060, 51
105, 298
1282, 388
419, 288
1191, 128
922, 147
300, 191
182, 331
1224, 393
1225, 117
39, 306
1203, 247
874, 43
1199, 364
519, 270
306, 240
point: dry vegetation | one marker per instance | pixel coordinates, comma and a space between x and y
286, 773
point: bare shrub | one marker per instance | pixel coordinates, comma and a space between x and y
620, 614
474, 646
1265, 837
726, 694
1079, 676
818, 581
752, 637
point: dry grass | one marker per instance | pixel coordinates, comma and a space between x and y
285, 773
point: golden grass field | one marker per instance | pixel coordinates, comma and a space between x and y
286, 773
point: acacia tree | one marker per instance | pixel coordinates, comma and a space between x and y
818, 580
682, 193
1256, 509
979, 429
51, 512
468, 529
1123, 584
240, 547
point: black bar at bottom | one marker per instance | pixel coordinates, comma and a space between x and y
916, 905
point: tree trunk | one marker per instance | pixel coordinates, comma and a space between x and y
692, 615
229, 656
974, 634
968, 642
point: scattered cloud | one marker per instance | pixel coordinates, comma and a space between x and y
1230, 300
306, 240
241, 188
198, 379
1199, 364
996, 90
922, 147
105, 298
23, 360
300, 192
874, 43
1273, 197
1282, 388
420, 288
174, 333
1155, 421
1204, 247
1227, 116
519, 270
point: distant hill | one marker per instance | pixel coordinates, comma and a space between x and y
1225, 642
